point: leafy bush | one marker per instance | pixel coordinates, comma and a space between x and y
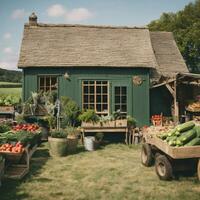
72, 131
89, 116
70, 111
4, 128
131, 121
59, 134
9, 100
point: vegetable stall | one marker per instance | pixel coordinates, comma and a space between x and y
17, 144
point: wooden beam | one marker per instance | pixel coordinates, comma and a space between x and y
171, 90
176, 105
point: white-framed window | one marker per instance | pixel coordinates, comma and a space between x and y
95, 95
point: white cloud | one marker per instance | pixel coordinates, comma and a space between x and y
78, 14
7, 36
8, 50
56, 10
18, 14
9, 63
73, 15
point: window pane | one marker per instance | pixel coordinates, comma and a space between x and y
91, 106
85, 106
85, 82
104, 82
91, 89
91, 97
98, 89
105, 89
117, 91
91, 82
117, 107
117, 99
98, 107
123, 108
105, 107
123, 99
85, 99
48, 81
41, 81
105, 98
98, 99
123, 91
53, 80
85, 89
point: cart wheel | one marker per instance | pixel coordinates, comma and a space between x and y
163, 168
146, 155
198, 170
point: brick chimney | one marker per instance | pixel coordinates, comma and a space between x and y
33, 19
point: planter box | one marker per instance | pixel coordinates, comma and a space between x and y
7, 109
90, 124
121, 123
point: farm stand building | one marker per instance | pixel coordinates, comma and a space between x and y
100, 67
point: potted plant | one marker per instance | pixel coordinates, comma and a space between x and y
131, 122
58, 143
120, 119
72, 138
89, 119
107, 121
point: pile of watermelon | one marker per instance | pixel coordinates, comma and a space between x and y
186, 134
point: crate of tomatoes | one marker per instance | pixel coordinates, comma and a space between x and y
12, 152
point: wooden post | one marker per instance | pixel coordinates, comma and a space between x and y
176, 106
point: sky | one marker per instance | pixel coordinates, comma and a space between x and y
14, 13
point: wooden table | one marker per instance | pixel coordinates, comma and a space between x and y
125, 130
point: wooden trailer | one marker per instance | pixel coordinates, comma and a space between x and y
169, 160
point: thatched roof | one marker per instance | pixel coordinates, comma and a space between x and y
78, 46
50, 45
169, 59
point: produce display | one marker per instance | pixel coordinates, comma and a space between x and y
186, 134
194, 107
26, 127
20, 136
12, 148
9, 100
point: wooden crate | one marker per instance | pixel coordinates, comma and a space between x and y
121, 123
12, 157
173, 152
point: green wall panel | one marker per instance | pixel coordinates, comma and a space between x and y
138, 96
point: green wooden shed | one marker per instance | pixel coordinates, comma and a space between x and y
104, 68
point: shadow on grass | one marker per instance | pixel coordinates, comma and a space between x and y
10, 188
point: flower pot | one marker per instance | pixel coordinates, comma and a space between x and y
57, 146
72, 143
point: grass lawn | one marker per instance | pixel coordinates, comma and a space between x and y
113, 172
11, 91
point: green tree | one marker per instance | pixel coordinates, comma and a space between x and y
185, 25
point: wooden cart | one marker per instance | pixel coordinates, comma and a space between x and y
169, 160
18, 171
